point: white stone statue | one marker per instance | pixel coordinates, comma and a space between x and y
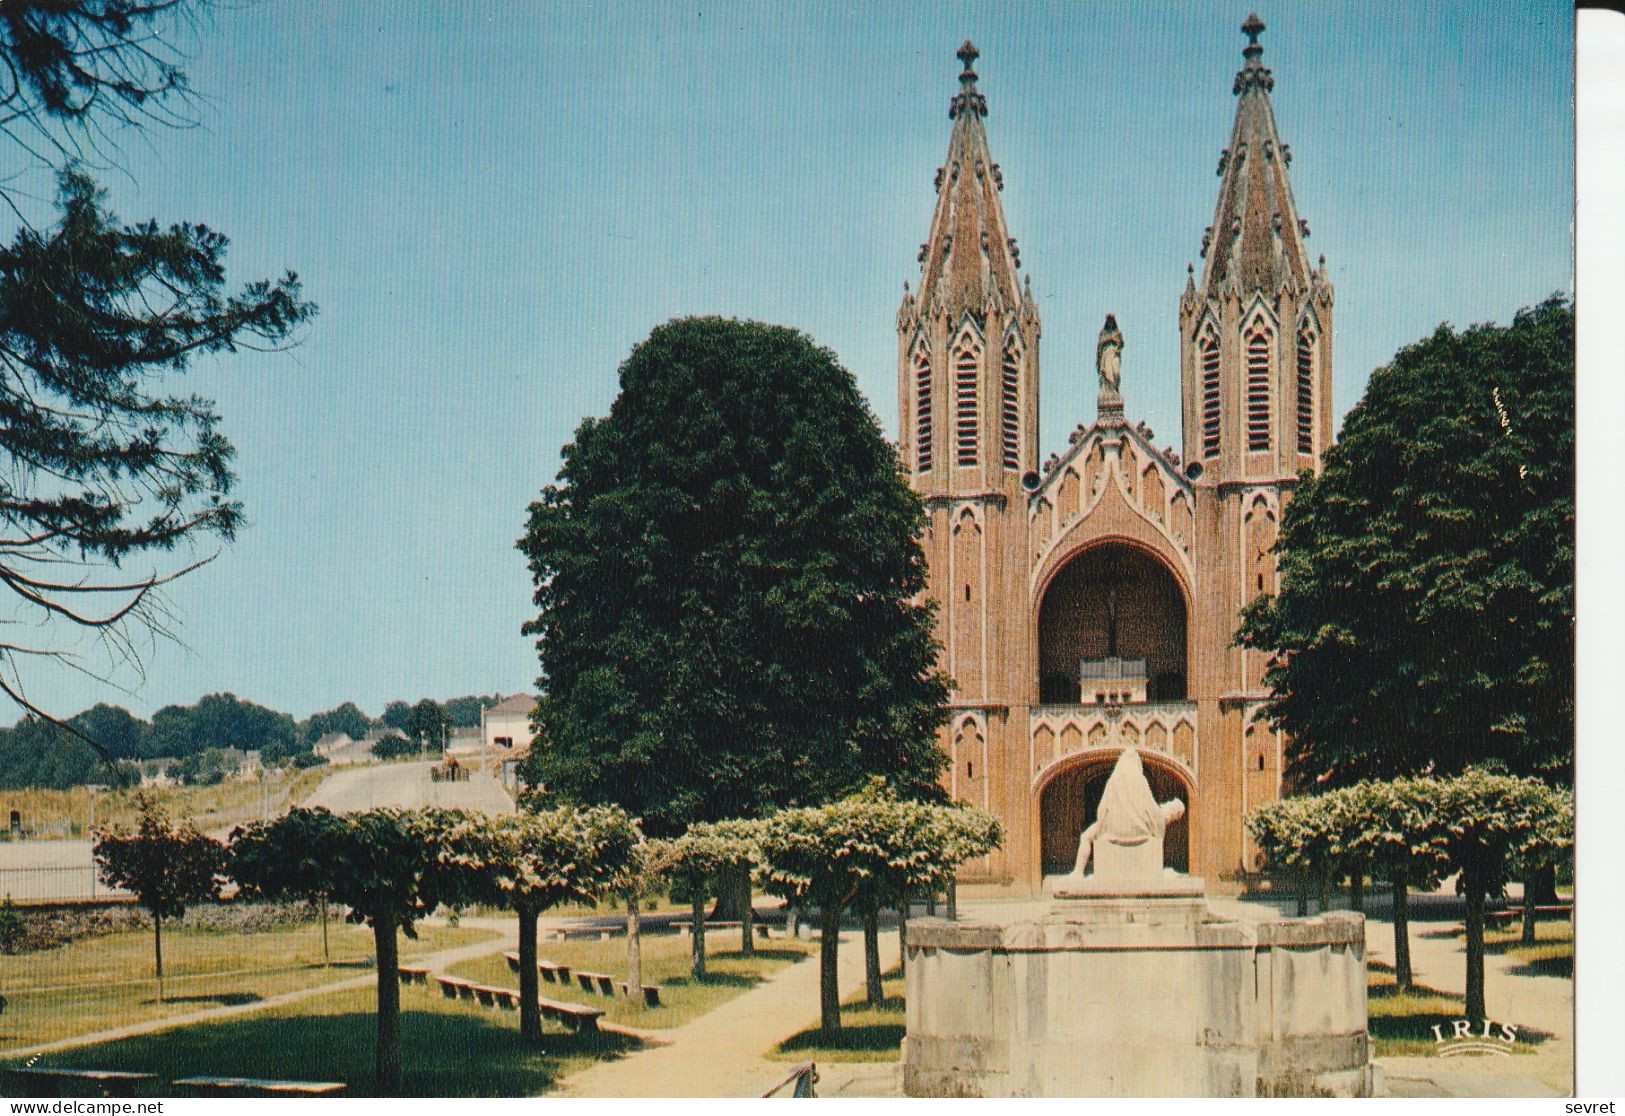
1125, 839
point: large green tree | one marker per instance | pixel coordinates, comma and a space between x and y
1425, 618
727, 577
107, 468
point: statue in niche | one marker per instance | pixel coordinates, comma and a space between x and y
1130, 821
1109, 355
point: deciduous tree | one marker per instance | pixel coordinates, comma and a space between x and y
167, 868
530, 862
1425, 619
727, 583
390, 867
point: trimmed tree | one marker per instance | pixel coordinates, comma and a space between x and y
858, 851
166, 867
728, 584
698, 860
1487, 822
1425, 619
530, 862
390, 867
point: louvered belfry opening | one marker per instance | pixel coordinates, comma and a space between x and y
966, 365
1010, 404
922, 409
1306, 393
1258, 391
1210, 396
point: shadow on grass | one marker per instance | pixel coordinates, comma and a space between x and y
1561, 965
852, 1038
1409, 1017
442, 1054
713, 980
224, 999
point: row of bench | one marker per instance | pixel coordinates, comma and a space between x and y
577, 1017
47, 1081
604, 933
602, 984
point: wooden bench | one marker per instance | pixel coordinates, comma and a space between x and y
553, 973
686, 927
47, 1081
258, 1087
453, 987
651, 993
412, 974
578, 1017
513, 961
1509, 915
601, 983
565, 933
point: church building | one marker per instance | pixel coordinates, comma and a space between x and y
1088, 603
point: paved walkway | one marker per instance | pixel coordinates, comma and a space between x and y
408, 785
436, 960
720, 1053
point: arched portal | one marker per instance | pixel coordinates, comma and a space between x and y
1112, 600
1068, 803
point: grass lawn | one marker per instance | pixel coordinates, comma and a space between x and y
1402, 1024
868, 1034
1551, 955
211, 807
447, 1048
96, 983
665, 962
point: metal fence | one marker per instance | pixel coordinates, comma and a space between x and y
55, 884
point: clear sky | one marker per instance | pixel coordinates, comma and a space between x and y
491, 203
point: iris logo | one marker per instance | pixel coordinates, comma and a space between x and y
1490, 1038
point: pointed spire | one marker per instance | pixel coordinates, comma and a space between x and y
970, 260
1256, 237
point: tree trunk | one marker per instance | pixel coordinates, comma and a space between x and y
792, 921
530, 1011
953, 900
829, 982
902, 929
327, 956
1303, 892
1357, 888
387, 1061
871, 953
931, 903
696, 957
1531, 899
1325, 888
1475, 952
634, 949
158, 953
747, 922
1402, 929
733, 892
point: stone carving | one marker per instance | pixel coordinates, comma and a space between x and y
1109, 355
1125, 839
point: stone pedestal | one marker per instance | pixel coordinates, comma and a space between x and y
1137, 989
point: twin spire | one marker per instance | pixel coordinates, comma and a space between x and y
1256, 241
970, 261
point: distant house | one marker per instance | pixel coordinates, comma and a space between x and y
465, 740
507, 724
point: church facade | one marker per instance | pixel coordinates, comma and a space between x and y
1088, 603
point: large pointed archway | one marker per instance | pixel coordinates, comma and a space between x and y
1112, 599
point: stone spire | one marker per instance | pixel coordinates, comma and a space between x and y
1256, 240
970, 261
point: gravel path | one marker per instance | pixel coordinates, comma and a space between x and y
720, 1053
408, 785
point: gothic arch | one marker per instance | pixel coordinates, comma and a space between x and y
1065, 795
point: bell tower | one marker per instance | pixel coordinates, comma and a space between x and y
1255, 335
967, 393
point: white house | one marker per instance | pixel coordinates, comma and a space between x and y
507, 724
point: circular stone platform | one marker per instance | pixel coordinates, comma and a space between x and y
1129, 993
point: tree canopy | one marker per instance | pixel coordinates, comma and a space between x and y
1425, 619
727, 576
108, 467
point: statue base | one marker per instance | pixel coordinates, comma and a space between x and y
1136, 988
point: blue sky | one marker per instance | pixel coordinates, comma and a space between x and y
493, 202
